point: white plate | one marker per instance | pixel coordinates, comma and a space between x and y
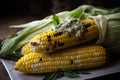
15, 75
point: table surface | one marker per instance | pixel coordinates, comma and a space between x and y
14, 20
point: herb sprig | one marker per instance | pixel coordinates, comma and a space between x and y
56, 20
69, 74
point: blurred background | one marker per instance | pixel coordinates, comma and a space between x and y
46, 7
14, 12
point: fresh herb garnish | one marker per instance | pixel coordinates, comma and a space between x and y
77, 13
56, 20
69, 74
53, 76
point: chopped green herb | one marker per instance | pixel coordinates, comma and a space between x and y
56, 20
76, 13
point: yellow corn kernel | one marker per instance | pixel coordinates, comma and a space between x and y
83, 57
25, 49
52, 40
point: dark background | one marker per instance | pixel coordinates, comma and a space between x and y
46, 7
23, 11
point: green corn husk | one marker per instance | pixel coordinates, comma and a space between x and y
109, 26
10, 48
112, 38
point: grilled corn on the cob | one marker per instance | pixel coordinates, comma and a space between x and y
68, 59
54, 39
25, 49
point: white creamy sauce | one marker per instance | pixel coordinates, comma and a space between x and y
33, 48
70, 25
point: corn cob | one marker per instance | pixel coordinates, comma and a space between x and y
25, 49
68, 59
53, 39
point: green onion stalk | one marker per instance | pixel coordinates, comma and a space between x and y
10, 48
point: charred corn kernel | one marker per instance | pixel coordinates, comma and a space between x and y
54, 39
83, 57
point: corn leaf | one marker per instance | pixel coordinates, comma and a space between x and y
112, 40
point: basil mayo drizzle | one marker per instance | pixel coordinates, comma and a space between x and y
71, 25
